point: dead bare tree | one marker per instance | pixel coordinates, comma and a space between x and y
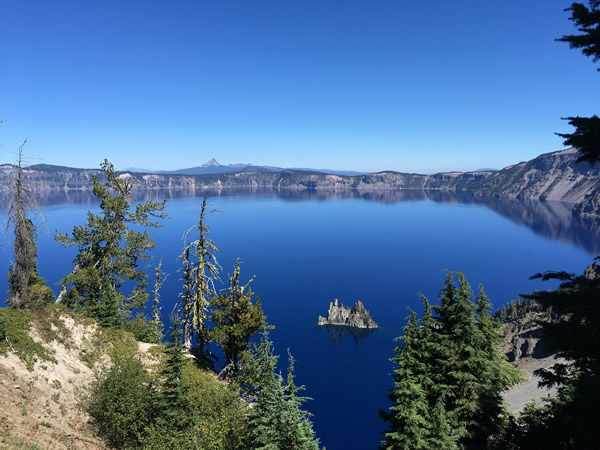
23, 271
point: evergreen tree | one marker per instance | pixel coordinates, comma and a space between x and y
109, 252
429, 352
276, 421
106, 311
586, 137
237, 316
301, 429
408, 416
462, 359
173, 408
570, 418
441, 436
449, 375
496, 376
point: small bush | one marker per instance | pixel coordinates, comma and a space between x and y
119, 402
142, 328
223, 415
160, 437
119, 343
2, 327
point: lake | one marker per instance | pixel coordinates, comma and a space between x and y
306, 249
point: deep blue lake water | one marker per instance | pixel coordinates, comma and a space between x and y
382, 248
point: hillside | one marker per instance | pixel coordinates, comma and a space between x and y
525, 349
45, 374
551, 176
49, 358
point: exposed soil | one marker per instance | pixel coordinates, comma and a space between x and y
40, 408
525, 392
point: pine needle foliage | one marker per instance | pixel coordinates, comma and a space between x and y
409, 425
109, 252
449, 374
570, 419
276, 421
586, 137
171, 402
237, 316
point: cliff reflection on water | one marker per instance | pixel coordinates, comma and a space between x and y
337, 333
550, 219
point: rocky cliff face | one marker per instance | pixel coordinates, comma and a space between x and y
552, 176
339, 314
589, 207
592, 271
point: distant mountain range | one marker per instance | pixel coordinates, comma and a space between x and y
214, 167
551, 176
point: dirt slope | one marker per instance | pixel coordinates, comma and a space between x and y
39, 401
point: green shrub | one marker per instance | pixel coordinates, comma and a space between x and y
2, 327
142, 328
119, 402
161, 437
223, 415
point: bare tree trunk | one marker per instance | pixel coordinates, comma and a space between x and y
25, 249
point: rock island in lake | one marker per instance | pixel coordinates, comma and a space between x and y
339, 314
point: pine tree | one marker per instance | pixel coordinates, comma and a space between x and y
109, 252
106, 311
237, 316
276, 420
301, 433
409, 426
570, 419
495, 376
586, 137
264, 421
442, 436
449, 375
429, 352
462, 359
173, 408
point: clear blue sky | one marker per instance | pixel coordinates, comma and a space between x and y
419, 86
